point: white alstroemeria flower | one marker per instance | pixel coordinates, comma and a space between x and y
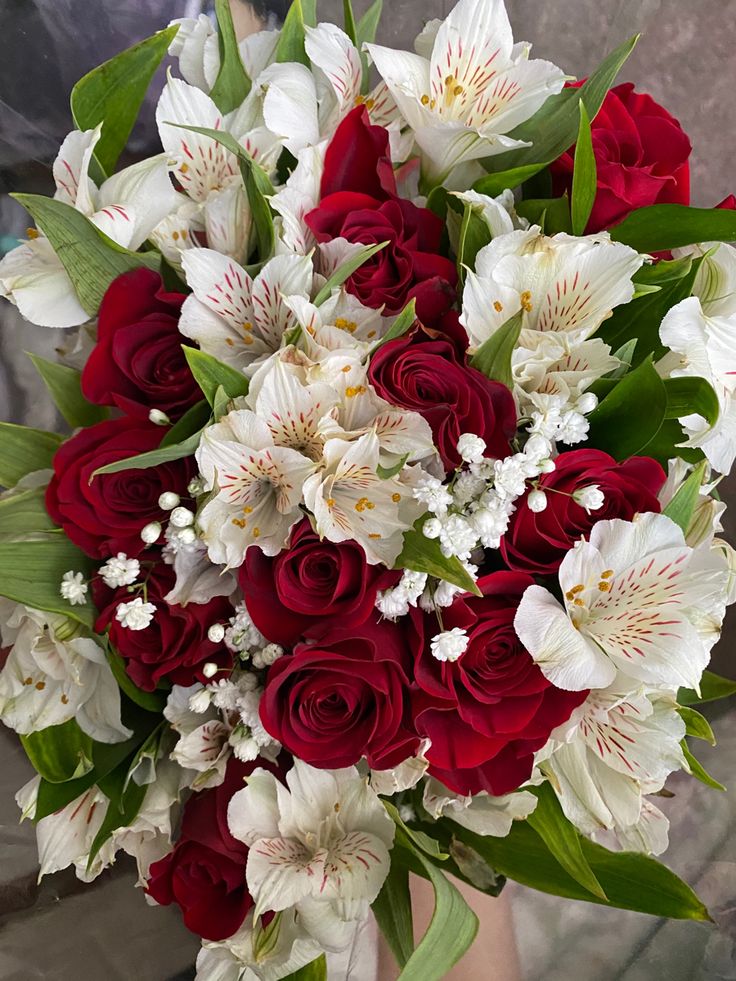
126, 207
340, 323
706, 519
616, 747
557, 366
498, 213
482, 813
297, 198
350, 501
563, 283
319, 845
402, 777
639, 602
52, 675
704, 345
715, 280
235, 318
257, 485
464, 97
197, 579
203, 738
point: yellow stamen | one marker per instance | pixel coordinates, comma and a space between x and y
351, 391
526, 301
607, 574
32, 233
396, 498
498, 306
184, 168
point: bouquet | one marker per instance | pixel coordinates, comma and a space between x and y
383, 538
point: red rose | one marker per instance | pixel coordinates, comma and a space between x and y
138, 363
310, 581
487, 713
428, 376
105, 515
537, 543
175, 645
359, 202
641, 154
343, 696
205, 873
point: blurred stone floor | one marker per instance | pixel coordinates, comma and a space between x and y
686, 60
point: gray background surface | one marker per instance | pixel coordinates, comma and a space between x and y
685, 59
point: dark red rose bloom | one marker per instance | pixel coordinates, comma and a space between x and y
428, 375
343, 695
105, 515
537, 543
205, 873
641, 154
138, 363
487, 713
310, 581
359, 202
174, 646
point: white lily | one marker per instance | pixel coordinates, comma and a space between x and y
53, 674
562, 283
319, 845
638, 602
704, 345
126, 207
235, 318
464, 96
617, 747
257, 488
350, 501
482, 814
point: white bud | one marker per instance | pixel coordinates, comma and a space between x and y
432, 528
195, 487
168, 500
151, 533
181, 517
591, 498
537, 501
586, 403
158, 417
187, 536
216, 633
471, 447
210, 669
547, 466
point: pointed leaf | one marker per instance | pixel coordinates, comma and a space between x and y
23, 513
151, 701
403, 323
698, 771
316, 971
232, 84
584, 177
474, 235
346, 270
712, 687
682, 506
291, 41
153, 458
59, 753
661, 227
422, 554
631, 415
64, 384
493, 357
686, 395
31, 572
210, 374
24, 450
126, 798
392, 910
696, 725
193, 421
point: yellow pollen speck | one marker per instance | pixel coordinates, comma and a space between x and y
346, 369
247, 510
64, 699
371, 334
458, 90
374, 535
569, 596
396, 498
526, 301
577, 589
364, 504
256, 532
450, 80
28, 681
351, 391
579, 602
359, 100
337, 807
175, 236
247, 325
330, 502
433, 103
184, 233
424, 100
184, 168
369, 104
498, 306
230, 342
32, 233
247, 339
240, 522
607, 574
343, 324
40, 685
604, 587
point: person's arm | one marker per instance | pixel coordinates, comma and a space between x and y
493, 955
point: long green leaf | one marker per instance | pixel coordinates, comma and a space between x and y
682, 506
64, 385
697, 769
422, 554
551, 214
392, 910
113, 93
210, 374
91, 259
314, 971
59, 753
493, 357
712, 687
696, 725
584, 177
151, 701
671, 226
631, 415
403, 323
31, 573
193, 421
366, 33
686, 395
232, 84
153, 458
474, 235
346, 269
23, 450
291, 41
126, 798
24, 513
562, 839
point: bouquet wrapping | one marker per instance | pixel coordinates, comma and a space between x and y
383, 535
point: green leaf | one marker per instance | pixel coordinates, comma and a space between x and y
24, 513
210, 374
309, 11
151, 701
24, 450
686, 395
562, 839
625, 355
553, 128
126, 798
31, 571
59, 753
291, 41
631, 415
221, 405
422, 554
682, 506
474, 235
696, 725
661, 227
392, 910
91, 259
493, 357
584, 177
64, 384
424, 842
403, 323
346, 270
113, 93
712, 687
551, 214
697, 769
365, 31
451, 930
385, 473
153, 458
350, 26
629, 880
316, 971
232, 84
193, 421
657, 273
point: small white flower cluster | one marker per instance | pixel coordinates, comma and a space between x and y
73, 588
238, 698
450, 644
243, 638
559, 420
136, 614
120, 571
